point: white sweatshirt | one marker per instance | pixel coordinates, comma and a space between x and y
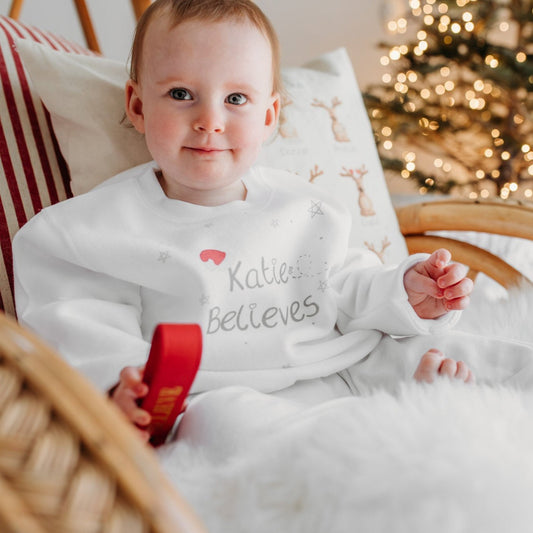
270, 280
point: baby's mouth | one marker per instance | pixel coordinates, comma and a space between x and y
204, 149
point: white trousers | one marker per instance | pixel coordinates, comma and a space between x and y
223, 421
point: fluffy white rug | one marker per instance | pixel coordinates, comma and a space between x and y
445, 458
508, 316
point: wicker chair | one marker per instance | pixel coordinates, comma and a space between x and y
69, 462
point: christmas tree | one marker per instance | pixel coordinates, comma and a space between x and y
454, 111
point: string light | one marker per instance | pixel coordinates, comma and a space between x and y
492, 61
456, 27
448, 100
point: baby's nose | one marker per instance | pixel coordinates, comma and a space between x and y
209, 120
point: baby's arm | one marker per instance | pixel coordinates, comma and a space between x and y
435, 286
373, 296
131, 388
90, 318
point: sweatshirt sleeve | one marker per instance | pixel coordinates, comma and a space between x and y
91, 319
374, 297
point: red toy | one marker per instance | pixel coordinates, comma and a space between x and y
170, 371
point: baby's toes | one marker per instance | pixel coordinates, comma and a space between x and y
470, 378
462, 371
448, 368
429, 365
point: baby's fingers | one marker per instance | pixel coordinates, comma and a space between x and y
459, 304
129, 389
143, 434
457, 297
420, 284
130, 375
128, 405
437, 261
453, 274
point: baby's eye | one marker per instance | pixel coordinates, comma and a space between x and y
236, 99
180, 94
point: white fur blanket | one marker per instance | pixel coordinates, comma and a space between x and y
445, 458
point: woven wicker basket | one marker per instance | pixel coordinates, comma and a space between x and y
69, 461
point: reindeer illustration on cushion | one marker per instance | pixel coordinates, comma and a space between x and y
385, 243
365, 203
339, 131
285, 128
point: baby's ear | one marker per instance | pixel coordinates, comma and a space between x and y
134, 105
272, 114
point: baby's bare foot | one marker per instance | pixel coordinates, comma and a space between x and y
433, 364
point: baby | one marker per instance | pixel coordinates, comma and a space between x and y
190, 237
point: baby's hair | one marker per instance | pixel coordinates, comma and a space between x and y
179, 11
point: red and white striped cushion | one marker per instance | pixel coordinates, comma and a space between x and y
34, 174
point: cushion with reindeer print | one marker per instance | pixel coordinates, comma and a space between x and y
325, 137
324, 134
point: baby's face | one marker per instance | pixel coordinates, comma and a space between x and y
205, 104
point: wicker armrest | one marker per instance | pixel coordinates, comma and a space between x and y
69, 461
510, 219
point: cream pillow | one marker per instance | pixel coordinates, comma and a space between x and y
324, 134
85, 98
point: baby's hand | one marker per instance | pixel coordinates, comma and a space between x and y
435, 286
129, 389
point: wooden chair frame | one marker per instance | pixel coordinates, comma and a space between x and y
84, 17
501, 218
